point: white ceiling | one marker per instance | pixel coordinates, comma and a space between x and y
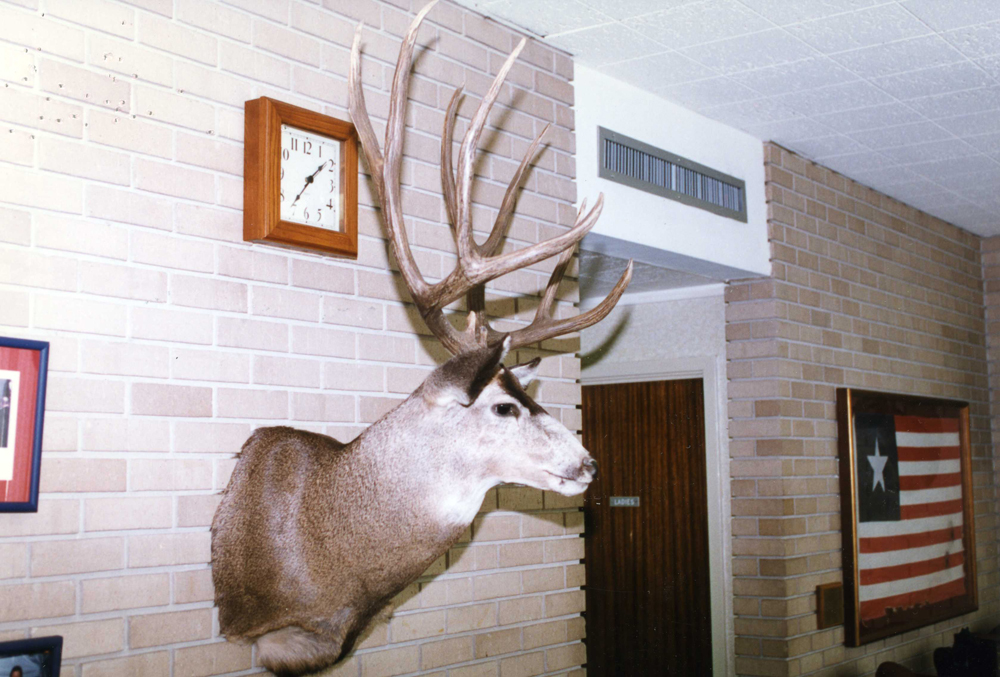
900, 95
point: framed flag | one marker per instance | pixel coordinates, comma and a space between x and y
23, 368
907, 514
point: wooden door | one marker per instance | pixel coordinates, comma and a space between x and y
648, 601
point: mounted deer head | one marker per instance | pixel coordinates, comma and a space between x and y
313, 537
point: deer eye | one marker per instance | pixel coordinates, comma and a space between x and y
505, 409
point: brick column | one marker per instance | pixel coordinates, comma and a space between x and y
865, 292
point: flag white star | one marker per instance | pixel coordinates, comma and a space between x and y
878, 465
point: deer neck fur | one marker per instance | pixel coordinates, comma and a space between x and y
441, 482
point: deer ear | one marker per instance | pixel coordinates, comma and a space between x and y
462, 378
526, 373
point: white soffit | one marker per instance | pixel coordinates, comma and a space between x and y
900, 95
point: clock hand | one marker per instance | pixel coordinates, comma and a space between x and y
309, 180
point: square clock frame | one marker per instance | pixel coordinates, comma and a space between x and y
285, 175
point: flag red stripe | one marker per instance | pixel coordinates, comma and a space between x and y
921, 424
911, 569
928, 453
876, 607
910, 512
918, 482
906, 541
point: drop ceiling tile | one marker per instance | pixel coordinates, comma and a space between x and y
874, 117
980, 193
821, 147
626, 9
957, 103
700, 22
856, 163
784, 12
899, 57
989, 144
927, 152
928, 195
885, 177
944, 16
787, 132
905, 190
976, 41
658, 71
952, 173
608, 43
702, 94
863, 28
987, 122
796, 76
752, 112
846, 96
934, 81
961, 213
987, 227
549, 17
902, 135
990, 64
746, 52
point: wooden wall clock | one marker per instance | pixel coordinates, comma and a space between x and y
300, 178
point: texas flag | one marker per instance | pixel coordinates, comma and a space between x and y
910, 549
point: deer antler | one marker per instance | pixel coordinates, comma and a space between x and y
477, 264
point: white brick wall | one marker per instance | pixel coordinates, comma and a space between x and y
121, 244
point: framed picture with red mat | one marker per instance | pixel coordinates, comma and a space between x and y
907, 512
23, 368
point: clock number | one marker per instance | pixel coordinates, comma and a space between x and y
319, 215
295, 143
329, 205
305, 214
282, 196
320, 151
284, 153
333, 185
307, 147
282, 173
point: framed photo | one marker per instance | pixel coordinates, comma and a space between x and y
907, 514
38, 657
23, 368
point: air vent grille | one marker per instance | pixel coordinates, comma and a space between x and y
639, 165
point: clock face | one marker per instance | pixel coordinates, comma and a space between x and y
310, 179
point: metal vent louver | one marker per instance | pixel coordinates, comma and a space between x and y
639, 165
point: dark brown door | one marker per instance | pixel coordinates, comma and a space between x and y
647, 567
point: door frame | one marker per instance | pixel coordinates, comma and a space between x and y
708, 369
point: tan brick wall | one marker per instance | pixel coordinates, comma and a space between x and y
121, 244
991, 287
866, 292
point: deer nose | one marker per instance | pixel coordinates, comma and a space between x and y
591, 465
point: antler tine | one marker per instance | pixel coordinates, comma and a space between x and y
447, 170
388, 168
506, 213
540, 329
467, 250
400, 91
359, 113
548, 297
495, 266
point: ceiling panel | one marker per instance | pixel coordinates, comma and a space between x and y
902, 95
